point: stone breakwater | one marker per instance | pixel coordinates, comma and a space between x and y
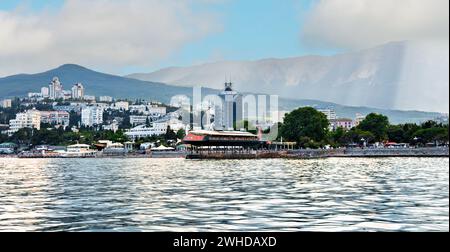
306, 154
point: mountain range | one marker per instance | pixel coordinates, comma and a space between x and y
98, 84
399, 75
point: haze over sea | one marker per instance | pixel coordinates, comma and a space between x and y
378, 194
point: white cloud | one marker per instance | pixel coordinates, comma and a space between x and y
358, 24
111, 34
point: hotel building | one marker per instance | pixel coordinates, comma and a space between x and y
55, 117
78, 91
28, 119
91, 116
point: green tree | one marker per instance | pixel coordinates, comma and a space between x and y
181, 134
337, 137
432, 135
396, 133
376, 124
170, 134
356, 136
305, 125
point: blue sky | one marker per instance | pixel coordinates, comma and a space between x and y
250, 30
256, 29
122, 37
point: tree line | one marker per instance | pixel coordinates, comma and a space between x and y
309, 128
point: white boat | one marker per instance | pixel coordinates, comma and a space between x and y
79, 151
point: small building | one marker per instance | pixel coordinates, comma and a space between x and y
121, 105
55, 117
330, 113
344, 123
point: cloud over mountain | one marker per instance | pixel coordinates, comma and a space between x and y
360, 24
108, 33
400, 75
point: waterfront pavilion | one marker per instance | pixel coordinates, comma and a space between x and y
215, 142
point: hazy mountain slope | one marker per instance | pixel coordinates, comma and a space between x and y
95, 84
395, 116
105, 84
401, 75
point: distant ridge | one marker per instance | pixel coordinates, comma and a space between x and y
398, 75
98, 84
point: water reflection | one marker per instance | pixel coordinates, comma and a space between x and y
407, 194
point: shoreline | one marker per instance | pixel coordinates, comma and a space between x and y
441, 152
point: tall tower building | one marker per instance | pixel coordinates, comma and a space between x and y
55, 89
230, 113
78, 91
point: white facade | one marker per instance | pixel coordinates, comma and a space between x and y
28, 119
143, 131
34, 95
7, 103
67, 94
121, 106
344, 123
138, 109
156, 110
175, 124
359, 118
89, 98
78, 91
230, 110
152, 110
55, 117
45, 92
114, 126
156, 129
331, 114
105, 99
138, 120
91, 116
55, 89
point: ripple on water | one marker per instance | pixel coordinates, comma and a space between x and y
391, 194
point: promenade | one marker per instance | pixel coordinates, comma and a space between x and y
322, 153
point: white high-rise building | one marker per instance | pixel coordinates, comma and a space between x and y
91, 116
231, 111
78, 91
331, 114
55, 89
28, 119
45, 92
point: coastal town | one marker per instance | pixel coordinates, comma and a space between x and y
71, 123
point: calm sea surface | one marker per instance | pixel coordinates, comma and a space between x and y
386, 194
